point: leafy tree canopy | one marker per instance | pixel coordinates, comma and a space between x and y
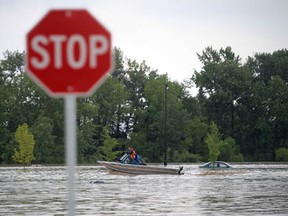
24, 154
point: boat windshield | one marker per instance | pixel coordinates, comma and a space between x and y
126, 159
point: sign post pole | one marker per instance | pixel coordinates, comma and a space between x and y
70, 148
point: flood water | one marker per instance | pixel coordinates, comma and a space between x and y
246, 189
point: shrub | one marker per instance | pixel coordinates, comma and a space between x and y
229, 151
281, 155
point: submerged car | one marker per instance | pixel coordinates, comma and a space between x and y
217, 164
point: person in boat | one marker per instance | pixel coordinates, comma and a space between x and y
133, 154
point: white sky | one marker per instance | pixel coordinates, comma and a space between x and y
167, 34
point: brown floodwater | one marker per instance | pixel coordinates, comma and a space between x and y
246, 189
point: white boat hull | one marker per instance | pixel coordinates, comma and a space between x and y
140, 169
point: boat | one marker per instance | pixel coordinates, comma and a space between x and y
139, 169
127, 165
217, 164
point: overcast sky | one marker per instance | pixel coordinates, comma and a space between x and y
167, 34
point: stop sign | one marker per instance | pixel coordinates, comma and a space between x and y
68, 52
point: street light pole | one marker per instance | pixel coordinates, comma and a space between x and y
165, 124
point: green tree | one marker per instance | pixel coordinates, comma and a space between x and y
213, 141
11, 66
266, 120
108, 152
149, 135
45, 149
88, 143
119, 71
248, 102
229, 151
25, 152
194, 135
221, 82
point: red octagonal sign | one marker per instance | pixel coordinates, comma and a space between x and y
69, 52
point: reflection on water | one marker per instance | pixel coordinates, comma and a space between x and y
249, 189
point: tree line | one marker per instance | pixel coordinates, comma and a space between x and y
246, 100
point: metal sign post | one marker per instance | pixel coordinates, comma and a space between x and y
70, 148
